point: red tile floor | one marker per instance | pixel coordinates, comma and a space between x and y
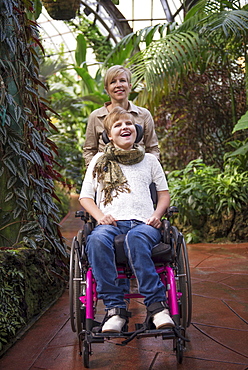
218, 333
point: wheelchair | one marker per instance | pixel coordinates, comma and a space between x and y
170, 257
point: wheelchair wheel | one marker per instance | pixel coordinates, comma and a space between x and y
184, 280
86, 354
75, 289
179, 350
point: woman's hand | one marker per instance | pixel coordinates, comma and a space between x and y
107, 220
154, 221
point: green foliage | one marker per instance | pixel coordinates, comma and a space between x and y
11, 295
29, 215
37, 9
74, 99
30, 280
242, 124
63, 204
196, 120
133, 42
214, 32
206, 195
92, 36
70, 157
237, 159
188, 190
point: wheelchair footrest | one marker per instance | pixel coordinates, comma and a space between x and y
112, 335
165, 334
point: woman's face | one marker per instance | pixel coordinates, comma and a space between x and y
123, 133
119, 88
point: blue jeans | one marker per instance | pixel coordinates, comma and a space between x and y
139, 241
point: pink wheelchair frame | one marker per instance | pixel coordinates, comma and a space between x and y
174, 273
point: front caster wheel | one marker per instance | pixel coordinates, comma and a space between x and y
86, 355
179, 351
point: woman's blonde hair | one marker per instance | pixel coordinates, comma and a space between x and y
113, 71
114, 115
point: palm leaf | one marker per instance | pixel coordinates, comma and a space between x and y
227, 23
171, 56
133, 41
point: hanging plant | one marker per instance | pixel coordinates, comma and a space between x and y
62, 9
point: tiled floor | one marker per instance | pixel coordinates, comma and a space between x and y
218, 334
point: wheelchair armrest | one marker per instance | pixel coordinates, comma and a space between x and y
171, 211
84, 215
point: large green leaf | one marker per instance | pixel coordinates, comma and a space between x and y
87, 79
81, 49
242, 124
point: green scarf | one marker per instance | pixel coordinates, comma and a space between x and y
108, 170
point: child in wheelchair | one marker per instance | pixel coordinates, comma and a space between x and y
116, 193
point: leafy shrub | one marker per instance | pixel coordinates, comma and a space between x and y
30, 280
212, 204
188, 191
196, 121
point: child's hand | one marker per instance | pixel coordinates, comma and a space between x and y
154, 221
107, 220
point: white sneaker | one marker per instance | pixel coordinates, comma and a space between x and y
162, 320
114, 324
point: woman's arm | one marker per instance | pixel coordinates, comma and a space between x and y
91, 139
150, 136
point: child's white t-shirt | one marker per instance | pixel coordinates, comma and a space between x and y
137, 204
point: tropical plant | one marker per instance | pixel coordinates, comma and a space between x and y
196, 121
187, 188
99, 43
213, 32
238, 157
192, 74
74, 96
207, 197
29, 215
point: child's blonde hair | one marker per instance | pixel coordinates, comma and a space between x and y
114, 116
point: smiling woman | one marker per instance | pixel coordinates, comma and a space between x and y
118, 88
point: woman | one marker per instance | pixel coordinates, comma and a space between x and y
121, 177
117, 83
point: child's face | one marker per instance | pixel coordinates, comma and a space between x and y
119, 88
123, 133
